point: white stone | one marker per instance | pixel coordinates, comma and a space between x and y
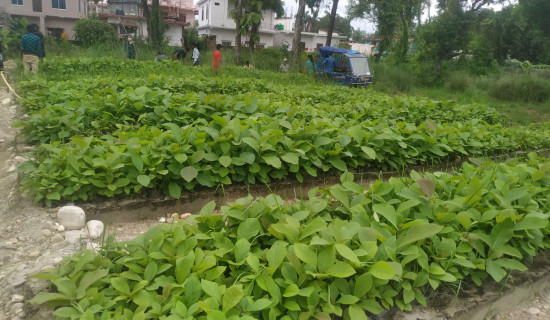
60, 228
74, 236
57, 260
46, 232
12, 168
162, 219
19, 159
185, 216
533, 311
95, 228
17, 298
72, 217
6, 101
169, 220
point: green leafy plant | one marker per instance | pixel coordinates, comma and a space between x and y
344, 252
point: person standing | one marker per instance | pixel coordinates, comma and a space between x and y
41, 36
310, 65
130, 48
284, 66
328, 65
196, 55
31, 50
217, 59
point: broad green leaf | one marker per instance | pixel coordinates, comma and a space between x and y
225, 161
418, 232
494, 270
259, 304
340, 270
347, 253
208, 209
189, 173
150, 271
363, 284
248, 157
387, 211
276, 254
242, 249
120, 285
291, 158
530, 223
143, 180
272, 160
357, 133
175, 190
183, 266
232, 296
369, 152
382, 270
305, 253
291, 290
338, 164
356, 312
211, 288
88, 279
501, 233
215, 315
511, 264
248, 228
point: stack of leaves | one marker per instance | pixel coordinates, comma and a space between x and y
345, 252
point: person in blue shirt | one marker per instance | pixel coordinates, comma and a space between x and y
31, 50
328, 64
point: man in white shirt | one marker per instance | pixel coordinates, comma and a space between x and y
284, 66
196, 55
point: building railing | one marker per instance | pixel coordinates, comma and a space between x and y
182, 4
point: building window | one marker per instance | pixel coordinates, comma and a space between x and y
206, 12
216, 3
226, 43
59, 4
17, 2
202, 14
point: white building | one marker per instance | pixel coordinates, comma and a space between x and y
215, 19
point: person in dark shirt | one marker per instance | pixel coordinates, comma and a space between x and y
130, 48
41, 36
179, 54
31, 50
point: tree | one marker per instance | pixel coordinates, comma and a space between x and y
155, 25
94, 31
331, 22
341, 25
358, 35
253, 17
237, 15
298, 26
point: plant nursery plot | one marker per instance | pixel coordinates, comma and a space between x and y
122, 133
345, 253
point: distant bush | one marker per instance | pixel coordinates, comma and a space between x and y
526, 88
94, 31
458, 81
394, 76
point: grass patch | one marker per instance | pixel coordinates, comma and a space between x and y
523, 88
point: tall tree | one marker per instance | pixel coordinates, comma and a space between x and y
331, 22
155, 25
237, 17
390, 16
298, 26
254, 16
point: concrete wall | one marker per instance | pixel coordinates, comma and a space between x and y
173, 34
50, 17
311, 40
364, 49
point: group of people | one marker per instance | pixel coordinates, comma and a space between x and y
314, 66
